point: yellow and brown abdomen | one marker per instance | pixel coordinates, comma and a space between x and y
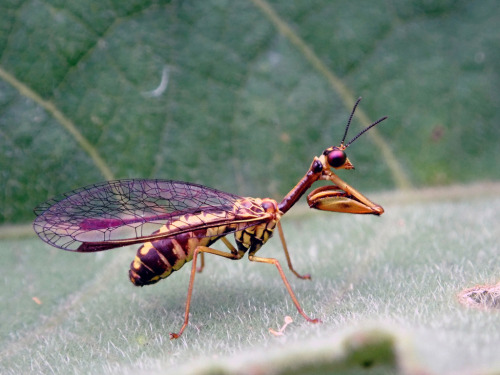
156, 260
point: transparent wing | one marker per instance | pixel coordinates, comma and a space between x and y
123, 212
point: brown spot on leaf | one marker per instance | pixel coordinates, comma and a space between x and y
437, 133
285, 137
482, 296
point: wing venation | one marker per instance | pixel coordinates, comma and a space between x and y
123, 212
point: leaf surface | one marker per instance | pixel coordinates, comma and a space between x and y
386, 289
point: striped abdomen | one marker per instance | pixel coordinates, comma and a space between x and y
156, 260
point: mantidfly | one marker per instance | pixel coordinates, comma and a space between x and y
177, 222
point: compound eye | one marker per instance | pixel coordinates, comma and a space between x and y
336, 158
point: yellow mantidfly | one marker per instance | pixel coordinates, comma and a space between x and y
177, 222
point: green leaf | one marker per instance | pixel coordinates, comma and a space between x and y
240, 95
385, 288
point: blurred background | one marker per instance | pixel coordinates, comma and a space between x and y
241, 95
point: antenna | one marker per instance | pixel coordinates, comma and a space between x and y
350, 119
362, 131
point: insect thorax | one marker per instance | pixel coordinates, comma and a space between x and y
251, 239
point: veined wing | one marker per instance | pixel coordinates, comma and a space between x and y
124, 212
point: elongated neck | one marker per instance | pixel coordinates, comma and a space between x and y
312, 175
